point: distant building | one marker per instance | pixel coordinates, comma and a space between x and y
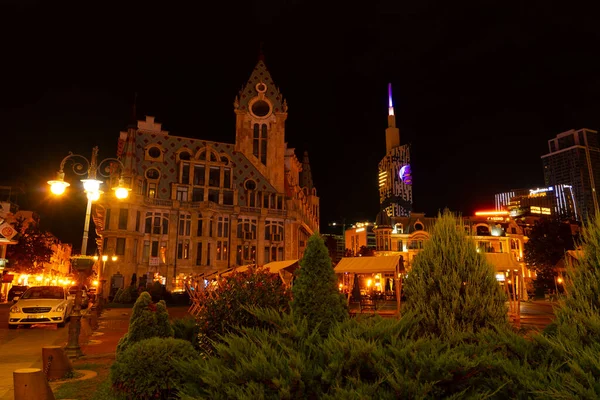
574, 160
359, 235
199, 207
395, 175
556, 201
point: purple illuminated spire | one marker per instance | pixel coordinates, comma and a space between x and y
391, 105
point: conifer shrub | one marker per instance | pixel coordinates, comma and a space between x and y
223, 306
451, 286
148, 320
315, 293
145, 369
187, 329
124, 295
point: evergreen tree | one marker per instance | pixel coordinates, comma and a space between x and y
578, 317
315, 293
451, 286
147, 320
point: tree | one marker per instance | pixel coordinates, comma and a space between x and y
366, 251
451, 286
315, 294
33, 249
548, 241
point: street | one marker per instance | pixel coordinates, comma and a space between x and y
22, 348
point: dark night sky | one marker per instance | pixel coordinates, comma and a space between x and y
478, 89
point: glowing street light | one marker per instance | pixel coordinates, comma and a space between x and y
91, 186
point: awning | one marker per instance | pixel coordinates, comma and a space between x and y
285, 269
367, 265
502, 261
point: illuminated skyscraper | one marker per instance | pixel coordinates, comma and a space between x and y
574, 159
395, 175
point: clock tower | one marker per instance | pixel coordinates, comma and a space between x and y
261, 112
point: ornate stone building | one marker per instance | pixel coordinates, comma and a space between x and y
199, 206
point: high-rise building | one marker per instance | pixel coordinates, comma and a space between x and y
199, 206
395, 176
557, 201
574, 159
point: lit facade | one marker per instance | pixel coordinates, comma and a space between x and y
495, 235
574, 159
557, 201
395, 175
200, 206
359, 235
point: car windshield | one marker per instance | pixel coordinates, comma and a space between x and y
44, 292
21, 288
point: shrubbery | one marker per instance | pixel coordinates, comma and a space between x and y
187, 329
145, 369
147, 320
223, 305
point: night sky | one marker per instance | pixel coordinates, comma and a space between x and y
478, 89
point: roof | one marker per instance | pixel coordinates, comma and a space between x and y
502, 261
367, 265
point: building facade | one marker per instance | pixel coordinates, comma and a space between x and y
201, 206
395, 177
574, 159
556, 201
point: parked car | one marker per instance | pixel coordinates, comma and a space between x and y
85, 298
41, 305
16, 291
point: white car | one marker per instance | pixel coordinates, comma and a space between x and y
41, 305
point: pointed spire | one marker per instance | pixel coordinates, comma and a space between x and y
392, 133
391, 104
306, 180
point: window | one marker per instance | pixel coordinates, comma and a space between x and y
182, 193
151, 190
246, 254
208, 254
222, 250
154, 249
123, 214
183, 250
199, 172
157, 223
185, 224
138, 216
246, 228
135, 250
184, 155
223, 227
274, 230
107, 219
154, 152
120, 247
259, 143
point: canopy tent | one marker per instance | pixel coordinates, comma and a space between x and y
503, 262
367, 265
285, 269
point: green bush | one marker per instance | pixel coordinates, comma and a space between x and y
315, 292
125, 295
451, 286
147, 320
187, 329
145, 369
223, 305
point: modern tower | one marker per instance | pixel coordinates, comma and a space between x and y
395, 179
574, 159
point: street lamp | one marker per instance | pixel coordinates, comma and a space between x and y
91, 186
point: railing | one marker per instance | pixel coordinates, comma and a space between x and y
158, 202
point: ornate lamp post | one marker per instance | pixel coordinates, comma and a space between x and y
91, 186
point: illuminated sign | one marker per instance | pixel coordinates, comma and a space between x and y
360, 230
484, 213
405, 174
495, 218
540, 210
540, 190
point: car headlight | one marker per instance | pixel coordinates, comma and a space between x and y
15, 309
60, 308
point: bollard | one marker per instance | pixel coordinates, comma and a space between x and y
31, 383
55, 362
